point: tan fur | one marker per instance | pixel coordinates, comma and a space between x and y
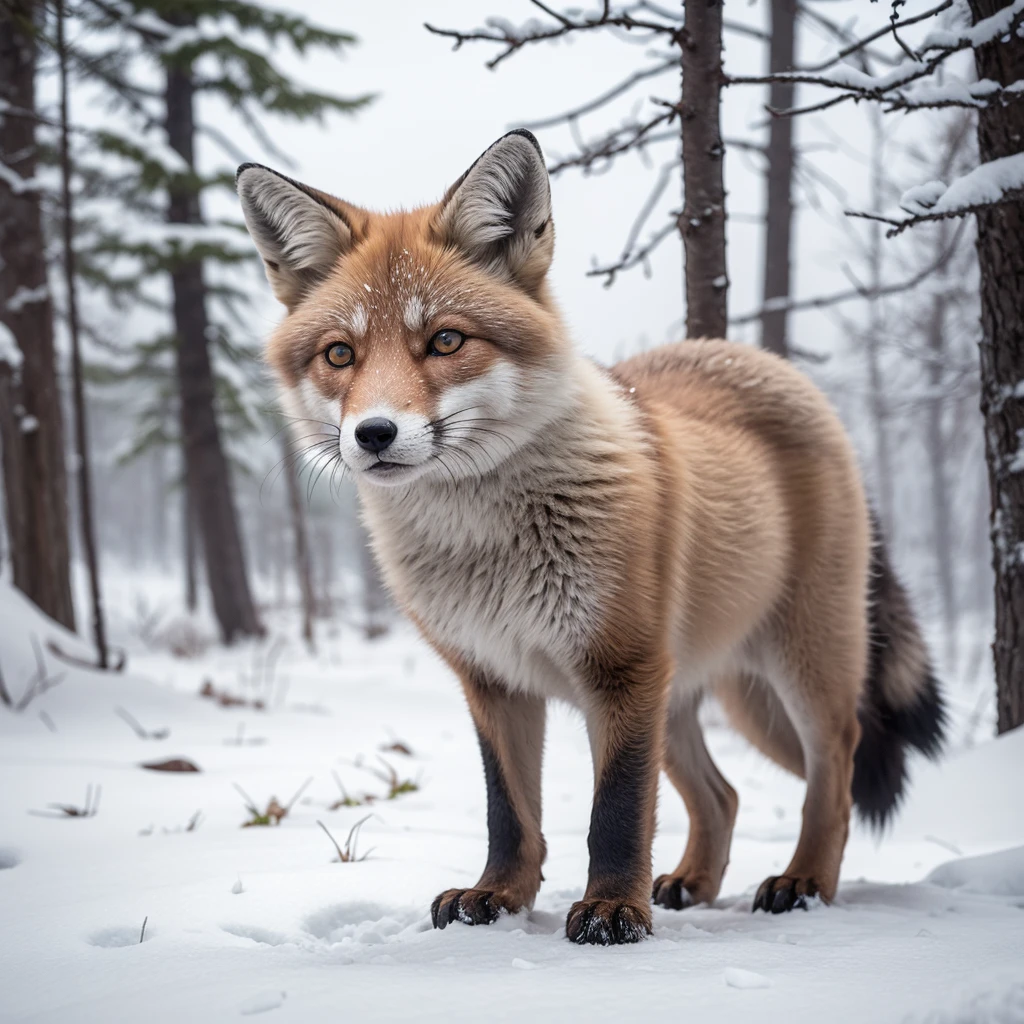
623, 540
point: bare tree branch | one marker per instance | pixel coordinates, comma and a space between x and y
514, 39
860, 44
1015, 195
639, 256
858, 291
606, 97
616, 142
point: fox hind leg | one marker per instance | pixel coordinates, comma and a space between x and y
711, 804
819, 692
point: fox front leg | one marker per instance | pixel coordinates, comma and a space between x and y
510, 728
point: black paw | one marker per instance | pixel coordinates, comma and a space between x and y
782, 893
470, 906
673, 892
607, 923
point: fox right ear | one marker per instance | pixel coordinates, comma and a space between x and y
499, 212
299, 231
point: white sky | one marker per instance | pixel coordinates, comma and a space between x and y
437, 110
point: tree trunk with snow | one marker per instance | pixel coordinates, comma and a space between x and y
207, 474
87, 530
702, 222
35, 479
1001, 259
779, 205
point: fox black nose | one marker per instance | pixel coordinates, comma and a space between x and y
376, 434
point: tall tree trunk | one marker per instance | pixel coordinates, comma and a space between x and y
87, 529
33, 451
702, 222
938, 454
779, 205
191, 553
207, 473
1001, 259
300, 532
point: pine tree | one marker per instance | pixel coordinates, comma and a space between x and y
31, 423
171, 258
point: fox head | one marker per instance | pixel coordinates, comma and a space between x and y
426, 337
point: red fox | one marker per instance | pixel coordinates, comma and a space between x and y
690, 521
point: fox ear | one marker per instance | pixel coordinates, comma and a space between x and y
499, 212
299, 231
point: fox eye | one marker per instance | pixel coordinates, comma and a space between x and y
444, 343
339, 354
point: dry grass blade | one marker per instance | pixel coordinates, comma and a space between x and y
347, 854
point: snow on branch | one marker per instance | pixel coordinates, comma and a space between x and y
10, 354
890, 88
514, 37
995, 183
16, 183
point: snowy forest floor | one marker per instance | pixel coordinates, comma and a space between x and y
928, 925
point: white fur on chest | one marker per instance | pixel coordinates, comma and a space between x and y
501, 570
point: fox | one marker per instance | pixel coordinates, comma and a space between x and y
689, 523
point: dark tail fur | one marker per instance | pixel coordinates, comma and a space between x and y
901, 705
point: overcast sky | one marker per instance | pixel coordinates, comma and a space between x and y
437, 110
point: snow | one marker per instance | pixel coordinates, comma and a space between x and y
265, 921
992, 27
16, 183
985, 184
921, 198
956, 90
994, 874
736, 977
27, 296
9, 351
844, 74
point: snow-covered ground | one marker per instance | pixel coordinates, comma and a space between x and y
928, 926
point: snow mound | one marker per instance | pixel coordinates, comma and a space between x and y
1002, 1007
994, 874
736, 977
921, 198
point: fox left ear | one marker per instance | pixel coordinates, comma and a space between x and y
499, 212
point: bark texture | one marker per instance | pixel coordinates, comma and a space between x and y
87, 531
1001, 260
779, 205
35, 481
207, 472
702, 222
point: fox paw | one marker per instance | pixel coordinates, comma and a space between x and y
470, 906
677, 892
607, 923
781, 893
